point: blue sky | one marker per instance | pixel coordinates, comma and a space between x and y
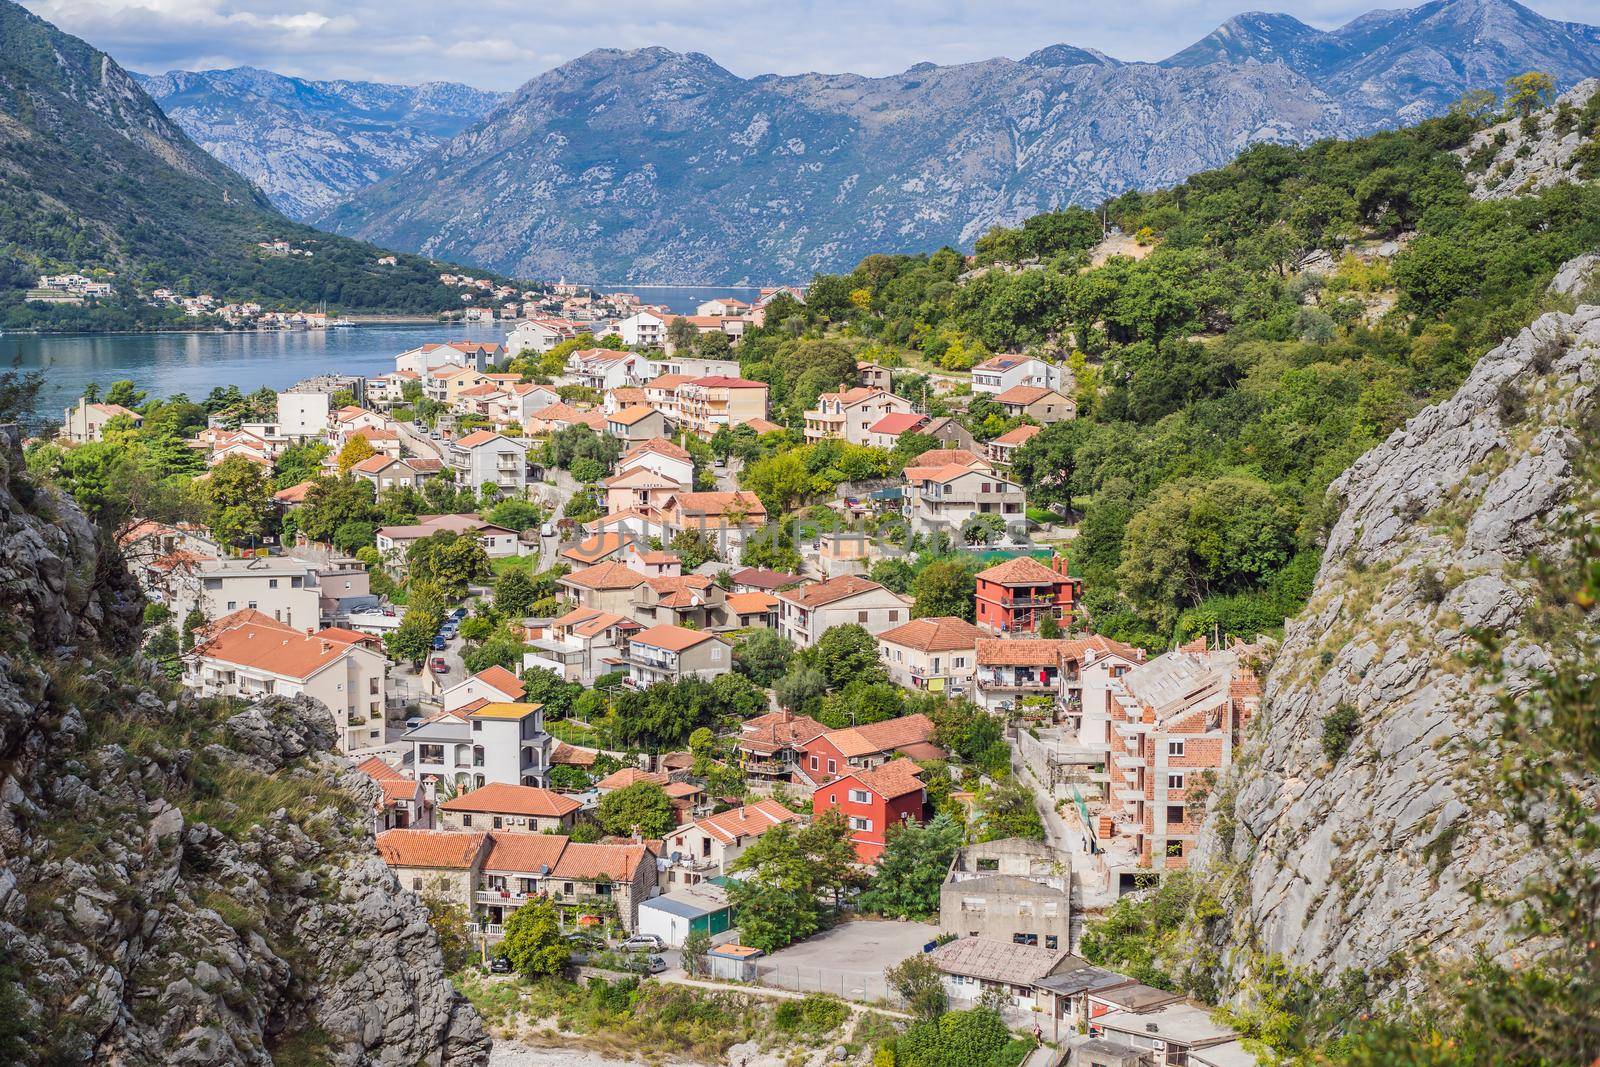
498, 44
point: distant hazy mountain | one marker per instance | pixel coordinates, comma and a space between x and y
307, 144
656, 165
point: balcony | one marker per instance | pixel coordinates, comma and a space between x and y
503, 897
1126, 794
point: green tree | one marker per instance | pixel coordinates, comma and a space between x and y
696, 945
681, 334
693, 548
449, 561
846, 653
763, 656
238, 499
499, 649
546, 687
913, 866
776, 900
920, 984
1009, 811
533, 941
412, 640
801, 690
1525, 93
642, 808
513, 593
125, 394
946, 587
516, 514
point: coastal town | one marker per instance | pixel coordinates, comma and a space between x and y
591, 653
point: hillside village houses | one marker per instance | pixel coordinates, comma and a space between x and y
466, 806
86, 423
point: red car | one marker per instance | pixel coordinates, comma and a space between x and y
438, 666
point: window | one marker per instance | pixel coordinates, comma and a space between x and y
251, 605
859, 796
272, 583
1174, 813
988, 864
833, 766
1174, 748
1025, 939
861, 617
1174, 781
566, 888
466, 819
894, 615
233, 605
497, 823
372, 687
833, 798
1050, 941
416, 885
430, 753
1174, 848
813, 763
477, 724
857, 823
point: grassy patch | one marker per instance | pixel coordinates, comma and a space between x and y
573, 732
513, 563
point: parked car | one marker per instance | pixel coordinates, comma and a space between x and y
655, 965
439, 666
438, 642
643, 943
500, 965
547, 530
459, 614
413, 722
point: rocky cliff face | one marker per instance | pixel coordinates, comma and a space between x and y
183, 883
1557, 144
652, 165
308, 144
1354, 859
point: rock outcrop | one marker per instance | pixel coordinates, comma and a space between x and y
183, 882
1357, 852
1520, 157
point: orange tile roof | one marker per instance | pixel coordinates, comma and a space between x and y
762, 426
478, 437
943, 457
897, 422
671, 638
1021, 435
455, 849
658, 445
751, 820
523, 853
751, 603
668, 381
374, 464
502, 680
573, 756
885, 736
272, 648
557, 412
819, 594
640, 478
779, 729
596, 548
1025, 394
623, 778
718, 503
681, 789
1000, 652
611, 575
630, 415
1020, 570
894, 779
725, 381
941, 633
501, 798
295, 494
376, 769
587, 862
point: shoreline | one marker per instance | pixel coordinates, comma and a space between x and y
356, 320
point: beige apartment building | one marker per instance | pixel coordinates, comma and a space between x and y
807, 612
705, 405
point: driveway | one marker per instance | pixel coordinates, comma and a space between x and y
848, 960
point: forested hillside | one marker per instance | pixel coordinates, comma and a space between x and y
94, 177
1275, 319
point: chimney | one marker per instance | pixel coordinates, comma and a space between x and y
326, 646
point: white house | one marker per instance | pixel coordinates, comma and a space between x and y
500, 741
850, 414
806, 612
709, 846
602, 369
643, 329
302, 415
999, 373
281, 588
660, 455
494, 685
485, 458
249, 655
945, 497
539, 335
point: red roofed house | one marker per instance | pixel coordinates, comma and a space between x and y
849, 413
1002, 448
503, 806
706, 848
936, 654
493, 684
808, 611
248, 655
401, 802
873, 801
707, 404
839, 752
1037, 403
667, 653
636, 424
484, 458
723, 518
999, 373
769, 745
1013, 596
885, 433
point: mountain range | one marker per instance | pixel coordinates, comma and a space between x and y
95, 177
661, 166
308, 144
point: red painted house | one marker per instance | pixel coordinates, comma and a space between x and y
838, 752
873, 801
1013, 596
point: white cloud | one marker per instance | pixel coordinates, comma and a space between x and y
499, 44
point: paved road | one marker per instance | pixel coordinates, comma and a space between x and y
417, 441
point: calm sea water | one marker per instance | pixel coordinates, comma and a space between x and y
163, 364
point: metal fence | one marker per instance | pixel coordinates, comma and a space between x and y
864, 986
